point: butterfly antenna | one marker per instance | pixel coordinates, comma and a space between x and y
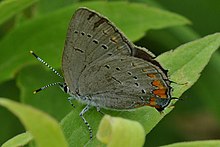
45, 63
44, 87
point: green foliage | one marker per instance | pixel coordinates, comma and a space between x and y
45, 130
19, 140
10, 8
112, 128
45, 33
209, 143
186, 62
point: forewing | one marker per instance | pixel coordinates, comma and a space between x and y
90, 38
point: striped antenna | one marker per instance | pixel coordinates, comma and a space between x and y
45, 63
44, 87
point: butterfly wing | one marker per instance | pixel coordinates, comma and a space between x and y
124, 82
90, 38
99, 62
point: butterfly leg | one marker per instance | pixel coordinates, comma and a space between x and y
84, 120
99, 110
70, 101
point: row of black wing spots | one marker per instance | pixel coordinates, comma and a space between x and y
135, 77
92, 39
109, 44
104, 19
97, 23
133, 68
92, 36
104, 46
132, 73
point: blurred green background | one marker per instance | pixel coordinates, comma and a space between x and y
197, 117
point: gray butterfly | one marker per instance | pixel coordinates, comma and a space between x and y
102, 68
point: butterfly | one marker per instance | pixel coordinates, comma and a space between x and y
102, 68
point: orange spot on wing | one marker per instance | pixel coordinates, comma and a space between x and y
152, 102
160, 92
158, 84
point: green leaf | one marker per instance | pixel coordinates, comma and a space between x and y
112, 128
185, 64
78, 134
187, 61
208, 86
45, 130
11, 124
9, 8
206, 143
19, 140
46, 34
42, 5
